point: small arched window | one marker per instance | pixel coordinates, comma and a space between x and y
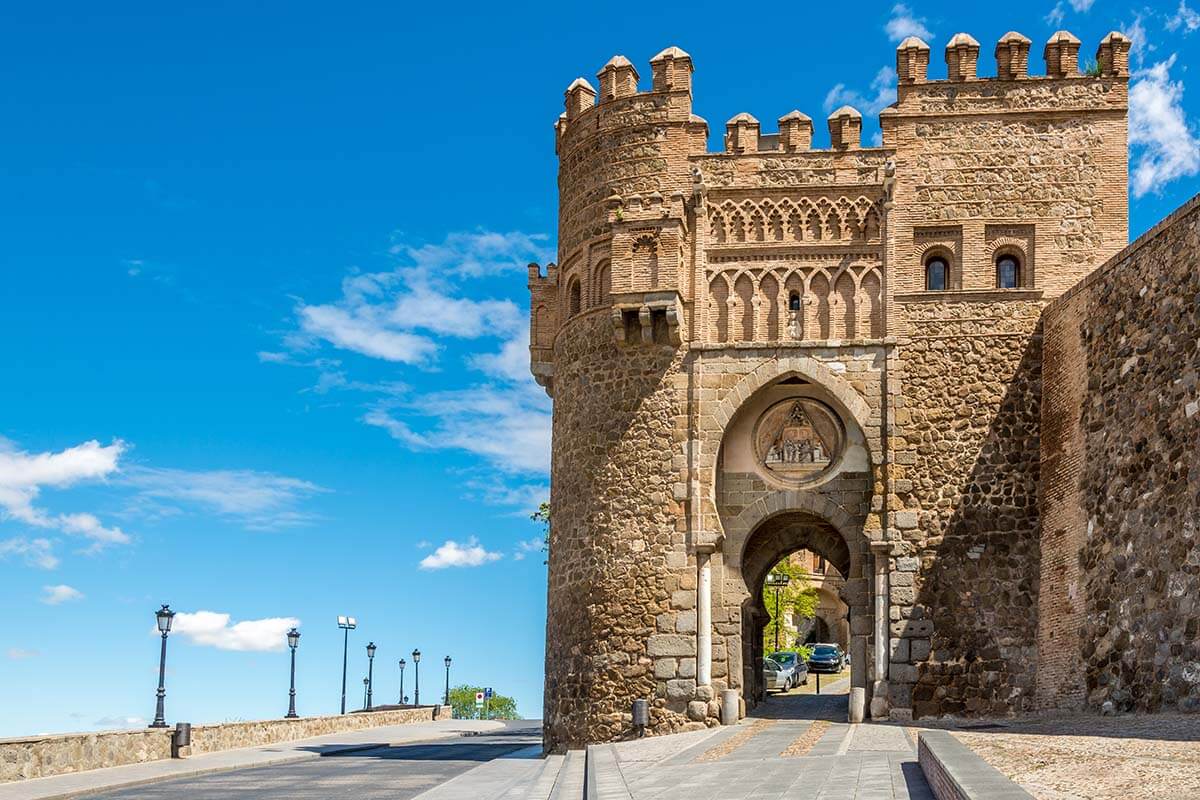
937, 273
794, 301
1008, 272
573, 302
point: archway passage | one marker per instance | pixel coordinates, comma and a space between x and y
774, 540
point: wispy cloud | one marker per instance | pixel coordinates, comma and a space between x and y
257, 500
120, 722
1164, 146
453, 554
1185, 19
526, 546
213, 629
37, 552
407, 317
20, 654
904, 23
24, 475
882, 94
60, 593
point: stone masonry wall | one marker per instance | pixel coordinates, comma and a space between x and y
962, 637
617, 555
43, 756
1120, 620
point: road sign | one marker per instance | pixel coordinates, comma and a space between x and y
479, 698
487, 692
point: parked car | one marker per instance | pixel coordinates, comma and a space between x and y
775, 677
826, 658
792, 661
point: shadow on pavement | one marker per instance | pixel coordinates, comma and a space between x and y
828, 707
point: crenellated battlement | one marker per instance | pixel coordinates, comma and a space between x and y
967, 166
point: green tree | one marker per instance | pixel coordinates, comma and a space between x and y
542, 517
462, 700
798, 598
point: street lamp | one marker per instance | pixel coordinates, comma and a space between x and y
447, 680
777, 581
163, 616
347, 624
370, 671
416, 655
293, 639
402, 663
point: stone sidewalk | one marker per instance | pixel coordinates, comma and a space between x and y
77, 783
794, 750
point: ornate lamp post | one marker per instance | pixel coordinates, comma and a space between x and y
163, 617
447, 680
293, 639
777, 581
347, 624
370, 671
416, 656
402, 663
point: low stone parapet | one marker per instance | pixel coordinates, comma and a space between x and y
56, 754
954, 772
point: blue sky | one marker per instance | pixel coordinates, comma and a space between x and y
264, 311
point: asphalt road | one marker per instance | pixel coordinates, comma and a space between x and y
395, 772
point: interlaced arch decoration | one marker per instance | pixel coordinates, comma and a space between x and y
795, 220
751, 301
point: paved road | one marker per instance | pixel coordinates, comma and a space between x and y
396, 772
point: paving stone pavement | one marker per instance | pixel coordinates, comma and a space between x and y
847, 762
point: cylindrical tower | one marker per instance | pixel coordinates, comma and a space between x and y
607, 345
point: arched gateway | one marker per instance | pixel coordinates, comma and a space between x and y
747, 356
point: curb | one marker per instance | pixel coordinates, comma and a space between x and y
955, 772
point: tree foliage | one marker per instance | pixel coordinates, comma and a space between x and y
542, 517
798, 598
462, 700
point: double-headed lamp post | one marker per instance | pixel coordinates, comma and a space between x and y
416, 656
163, 617
402, 663
447, 680
347, 624
293, 639
777, 580
370, 671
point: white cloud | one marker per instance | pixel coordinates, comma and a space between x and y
478, 253
883, 87
353, 331
1059, 12
23, 475
54, 595
20, 654
259, 500
37, 552
120, 722
1185, 18
1165, 147
452, 554
903, 23
1140, 44
212, 628
526, 546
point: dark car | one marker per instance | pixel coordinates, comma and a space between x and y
826, 658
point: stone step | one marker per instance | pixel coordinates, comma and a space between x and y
540, 785
605, 781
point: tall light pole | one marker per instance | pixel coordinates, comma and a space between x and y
402, 663
347, 624
293, 639
447, 680
777, 580
370, 671
163, 617
416, 655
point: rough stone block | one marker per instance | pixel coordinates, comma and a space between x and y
919, 649
687, 667
665, 668
680, 689
904, 673
670, 644
683, 599
685, 622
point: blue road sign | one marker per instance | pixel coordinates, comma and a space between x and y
487, 692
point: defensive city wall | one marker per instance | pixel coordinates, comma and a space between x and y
778, 347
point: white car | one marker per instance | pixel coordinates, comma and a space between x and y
782, 677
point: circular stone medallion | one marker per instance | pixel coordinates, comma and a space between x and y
797, 440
